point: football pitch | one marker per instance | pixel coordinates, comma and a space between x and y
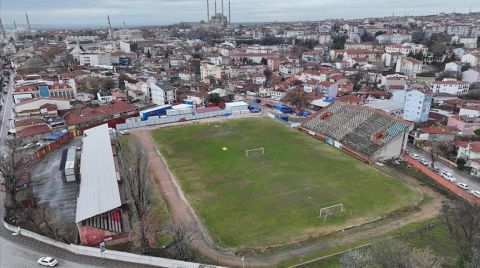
272, 198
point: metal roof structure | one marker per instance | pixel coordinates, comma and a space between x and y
99, 190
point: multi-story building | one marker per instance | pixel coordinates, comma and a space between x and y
44, 89
407, 48
159, 92
409, 66
395, 38
417, 104
95, 59
210, 70
451, 86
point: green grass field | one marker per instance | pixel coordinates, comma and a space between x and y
272, 198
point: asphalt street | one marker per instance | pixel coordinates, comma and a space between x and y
461, 177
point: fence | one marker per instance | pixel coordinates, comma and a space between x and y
136, 122
53, 146
107, 254
450, 186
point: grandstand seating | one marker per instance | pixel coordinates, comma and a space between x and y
361, 129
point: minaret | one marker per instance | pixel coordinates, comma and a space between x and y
124, 26
14, 25
215, 7
28, 21
229, 13
4, 35
110, 28
222, 10
208, 11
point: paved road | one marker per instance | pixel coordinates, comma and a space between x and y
23, 252
461, 177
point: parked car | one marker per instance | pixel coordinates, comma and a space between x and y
476, 193
424, 162
464, 186
28, 146
47, 261
448, 176
435, 169
124, 132
415, 156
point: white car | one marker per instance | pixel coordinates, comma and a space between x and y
424, 162
448, 176
476, 193
415, 156
124, 132
464, 186
47, 261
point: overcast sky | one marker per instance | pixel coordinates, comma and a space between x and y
153, 12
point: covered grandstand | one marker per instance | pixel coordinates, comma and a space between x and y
368, 134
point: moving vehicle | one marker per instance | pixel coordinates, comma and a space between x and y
47, 261
448, 176
464, 186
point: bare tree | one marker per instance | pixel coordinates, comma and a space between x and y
182, 234
425, 258
144, 234
14, 170
463, 224
297, 98
356, 259
390, 253
134, 170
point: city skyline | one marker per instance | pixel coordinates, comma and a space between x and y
149, 12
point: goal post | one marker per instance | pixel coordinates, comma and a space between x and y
325, 212
256, 151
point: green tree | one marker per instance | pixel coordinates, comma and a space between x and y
461, 162
214, 98
477, 132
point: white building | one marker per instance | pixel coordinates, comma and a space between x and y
416, 104
454, 66
407, 48
409, 66
471, 58
468, 42
395, 38
471, 76
451, 86
159, 93
95, 59
210, 70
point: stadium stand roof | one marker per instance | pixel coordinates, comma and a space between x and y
99, 190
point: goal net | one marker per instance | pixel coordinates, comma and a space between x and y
253, 152
331, 211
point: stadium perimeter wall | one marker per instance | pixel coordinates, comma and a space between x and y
107, 254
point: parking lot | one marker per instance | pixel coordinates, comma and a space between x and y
51, 189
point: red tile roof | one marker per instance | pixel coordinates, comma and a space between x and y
438, 130
77, 116
29, 122
33, 130
474, 145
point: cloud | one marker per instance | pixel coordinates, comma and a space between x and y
137, 12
